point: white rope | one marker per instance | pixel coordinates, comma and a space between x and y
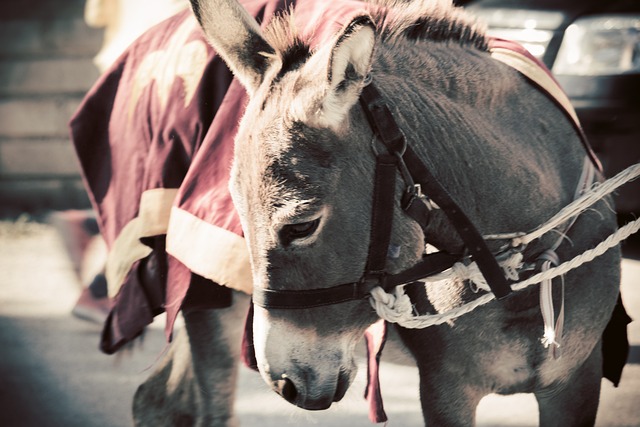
599, 191
472, 273
397, 307
588, 256
552, 336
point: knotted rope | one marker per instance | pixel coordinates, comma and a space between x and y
396, 307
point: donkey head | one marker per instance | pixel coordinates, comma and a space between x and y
302, 182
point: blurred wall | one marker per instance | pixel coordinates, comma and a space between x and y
46, 67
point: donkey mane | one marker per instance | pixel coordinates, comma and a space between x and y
435, 20
289, 46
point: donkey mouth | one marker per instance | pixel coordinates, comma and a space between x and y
319, 405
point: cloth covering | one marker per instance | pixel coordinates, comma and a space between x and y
154, 138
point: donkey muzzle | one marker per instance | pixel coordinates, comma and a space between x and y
312, 395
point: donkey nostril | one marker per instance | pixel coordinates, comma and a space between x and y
287, 389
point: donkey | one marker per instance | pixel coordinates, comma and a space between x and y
303, 183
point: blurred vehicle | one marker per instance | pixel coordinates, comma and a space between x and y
593, 49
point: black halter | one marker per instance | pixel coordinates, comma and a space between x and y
399, 157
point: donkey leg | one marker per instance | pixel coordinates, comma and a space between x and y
168, 397
446, 401
215, 337
195, 383
574, 402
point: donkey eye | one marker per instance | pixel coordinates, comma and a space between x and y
291, 232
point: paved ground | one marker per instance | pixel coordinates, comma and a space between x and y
51, 373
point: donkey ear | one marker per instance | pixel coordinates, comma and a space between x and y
350, 57
237, 38
348, 61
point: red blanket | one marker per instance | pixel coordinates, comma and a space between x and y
155, 141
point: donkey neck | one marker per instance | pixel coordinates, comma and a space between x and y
492, 139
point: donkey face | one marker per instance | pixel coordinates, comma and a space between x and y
302, 182
294, 183
291, 187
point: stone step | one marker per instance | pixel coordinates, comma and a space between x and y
42, 194
46, 53
37, 117
68, 37
39, 159
46, 76
40, 9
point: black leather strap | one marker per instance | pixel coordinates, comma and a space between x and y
469, 234
382, 122
430, 264
309, 298
416, 208
381, 212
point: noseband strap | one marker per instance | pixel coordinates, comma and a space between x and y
399, 157
309, 298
